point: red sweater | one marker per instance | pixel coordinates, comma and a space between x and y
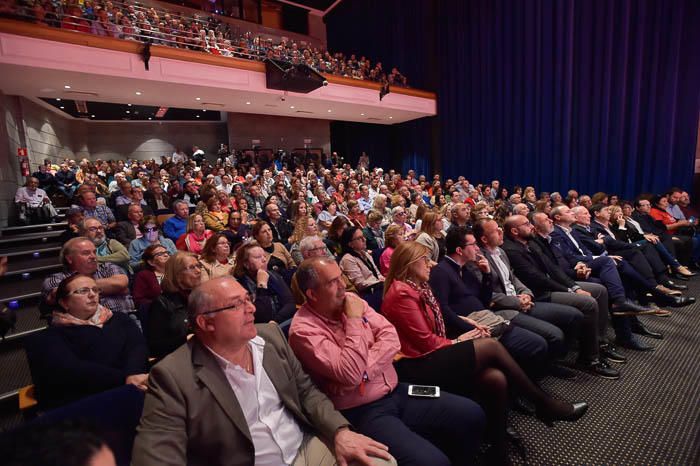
403, 307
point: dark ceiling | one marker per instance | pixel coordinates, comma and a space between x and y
118, 112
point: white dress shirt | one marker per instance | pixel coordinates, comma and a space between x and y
275, 433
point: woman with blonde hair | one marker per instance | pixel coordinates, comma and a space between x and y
431, 235
195, 236
167, 317
393, 236
379, 205
470, 365
303, 227
216, 257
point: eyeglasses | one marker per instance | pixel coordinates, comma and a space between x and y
86, 290
470, 244
151, 229
162, 253
237, 305
193, 267
318, 248
96, 229
523, 224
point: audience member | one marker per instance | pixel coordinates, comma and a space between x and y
108, 250
87, 347
278, 258
128, 230
215, 259
33, 204
467, 365
176, 226
347, 349
147, 280
151, 236
305, 422
272, 297
167, 317
195, 236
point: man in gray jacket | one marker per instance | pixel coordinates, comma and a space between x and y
235, 394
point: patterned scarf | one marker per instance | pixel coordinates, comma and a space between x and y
429, 302
98, 319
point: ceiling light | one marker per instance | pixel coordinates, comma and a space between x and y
150, 118
93, 116
362, 114
197, 116
138, 93
197, 98
62, 107
58, 100
391, 118
291, 106
128, 105
204, 110
247, 103
128, 111
66, 86
329, 110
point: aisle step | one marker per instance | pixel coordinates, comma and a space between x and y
42, 237
11, 231
44, 265
21, 290
29, 250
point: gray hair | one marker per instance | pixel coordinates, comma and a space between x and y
307, 243
82, 226
396, 209
201, 300
67, 249
178, 202
307, 275
556, 211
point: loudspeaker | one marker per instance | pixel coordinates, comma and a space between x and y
286, 76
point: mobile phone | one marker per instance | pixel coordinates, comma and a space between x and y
426, 391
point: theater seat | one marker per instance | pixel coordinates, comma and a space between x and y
115, 413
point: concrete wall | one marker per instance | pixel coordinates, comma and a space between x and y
146, 141
9, 166
277, 132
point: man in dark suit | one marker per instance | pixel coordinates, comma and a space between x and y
549, 320
128, 230
550, 283
642, 255
235, 394
623, 321
603, 265
462, 290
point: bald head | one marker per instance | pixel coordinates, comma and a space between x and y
518, 227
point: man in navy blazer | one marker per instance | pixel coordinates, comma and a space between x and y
570, 242
550, 284
461, 291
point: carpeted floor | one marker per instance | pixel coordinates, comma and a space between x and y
650, 416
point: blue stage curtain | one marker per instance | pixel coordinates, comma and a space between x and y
593, 95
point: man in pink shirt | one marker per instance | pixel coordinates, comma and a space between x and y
348, 350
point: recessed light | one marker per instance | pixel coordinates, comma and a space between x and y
93, 116
66, 86
58, 100
391, 118
150, 118
197, 98
247, 103
329, 110
128, 105
291, 106
62, 107
362, 114
197, 116
138, 93
204, 110
128, 111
